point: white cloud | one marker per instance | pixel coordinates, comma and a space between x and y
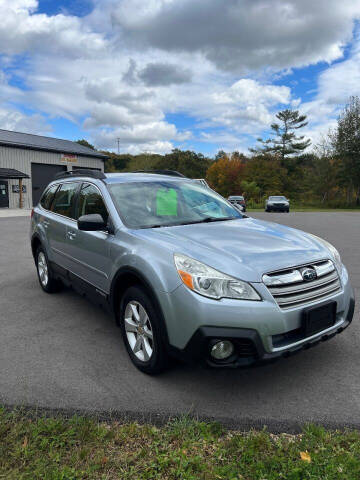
335, 85
341, 80
12, 119
22, 30
249, 102
7, 91
136, 140
250, 91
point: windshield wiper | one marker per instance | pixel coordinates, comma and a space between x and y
154, 226
192, 222
216, 219
210, 219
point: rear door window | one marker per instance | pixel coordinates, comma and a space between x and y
48, 196
64, 201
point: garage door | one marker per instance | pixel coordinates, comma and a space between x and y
41, 175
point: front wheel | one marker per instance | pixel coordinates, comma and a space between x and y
141, 330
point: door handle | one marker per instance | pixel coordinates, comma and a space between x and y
71, 235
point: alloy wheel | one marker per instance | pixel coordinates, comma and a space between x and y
43, 269
139, 331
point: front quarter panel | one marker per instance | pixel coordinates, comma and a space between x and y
154, 263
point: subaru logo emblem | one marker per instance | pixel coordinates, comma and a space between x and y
309, 274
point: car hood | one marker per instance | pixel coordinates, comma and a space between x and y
245, 248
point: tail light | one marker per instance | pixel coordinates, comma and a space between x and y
32, 213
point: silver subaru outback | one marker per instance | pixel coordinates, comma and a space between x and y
184, 272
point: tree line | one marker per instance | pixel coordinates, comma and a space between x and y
329, 176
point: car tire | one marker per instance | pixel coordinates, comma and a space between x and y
141, 330
45, 275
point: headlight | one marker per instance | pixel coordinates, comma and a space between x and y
334, 253
209, 282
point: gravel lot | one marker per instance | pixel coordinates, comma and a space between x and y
60, 352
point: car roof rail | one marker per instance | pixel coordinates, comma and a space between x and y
172, 173
84, 172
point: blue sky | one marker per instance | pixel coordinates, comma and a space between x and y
78, 8
175, 73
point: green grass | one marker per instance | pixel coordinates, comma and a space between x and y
80, 448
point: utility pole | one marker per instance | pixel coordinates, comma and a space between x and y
118, 145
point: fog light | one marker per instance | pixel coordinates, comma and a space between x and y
222, 350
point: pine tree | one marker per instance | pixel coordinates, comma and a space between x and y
285, 142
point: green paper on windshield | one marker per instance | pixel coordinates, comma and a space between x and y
166, 202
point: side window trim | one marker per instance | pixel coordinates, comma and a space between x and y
76, 201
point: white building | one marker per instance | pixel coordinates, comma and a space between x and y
29, 162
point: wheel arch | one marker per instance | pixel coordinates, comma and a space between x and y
35, 243
127, 277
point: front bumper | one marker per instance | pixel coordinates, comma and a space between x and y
249, 349
278, 208
261, 330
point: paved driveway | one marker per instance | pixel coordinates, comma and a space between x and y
58, 351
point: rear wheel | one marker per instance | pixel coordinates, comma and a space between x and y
141, 330
46, 278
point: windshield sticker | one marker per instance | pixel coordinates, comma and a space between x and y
166, 202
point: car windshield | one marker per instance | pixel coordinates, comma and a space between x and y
167, 203
277, 198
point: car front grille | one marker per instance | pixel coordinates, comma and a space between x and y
289, 289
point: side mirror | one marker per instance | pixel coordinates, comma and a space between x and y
91, 223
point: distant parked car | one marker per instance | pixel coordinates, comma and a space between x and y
238, 200
277, 203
